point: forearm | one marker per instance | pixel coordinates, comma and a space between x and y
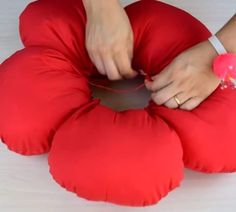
227, 35
91, 6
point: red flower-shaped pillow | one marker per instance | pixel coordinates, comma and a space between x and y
132, 157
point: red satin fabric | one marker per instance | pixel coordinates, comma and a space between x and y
133, 157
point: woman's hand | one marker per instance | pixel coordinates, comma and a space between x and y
190, 77
109, 38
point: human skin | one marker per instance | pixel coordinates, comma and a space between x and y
189, 76
109, 38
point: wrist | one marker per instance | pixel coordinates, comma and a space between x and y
206, 51
210, 50
227, 35
228, 41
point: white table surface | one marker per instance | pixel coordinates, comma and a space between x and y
25, 184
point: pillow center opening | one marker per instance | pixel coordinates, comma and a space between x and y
122, 101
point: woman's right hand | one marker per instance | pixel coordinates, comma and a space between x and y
109, 38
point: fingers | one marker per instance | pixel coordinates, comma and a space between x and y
171, 103
116, 66
123, 63
191, 103
163, 95
111, 68
97, 60
188, 102
160, 80
182, 97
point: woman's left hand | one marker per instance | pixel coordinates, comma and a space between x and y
190, 77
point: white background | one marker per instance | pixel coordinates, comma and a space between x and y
25, 184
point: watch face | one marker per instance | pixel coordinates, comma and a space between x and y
224, 67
